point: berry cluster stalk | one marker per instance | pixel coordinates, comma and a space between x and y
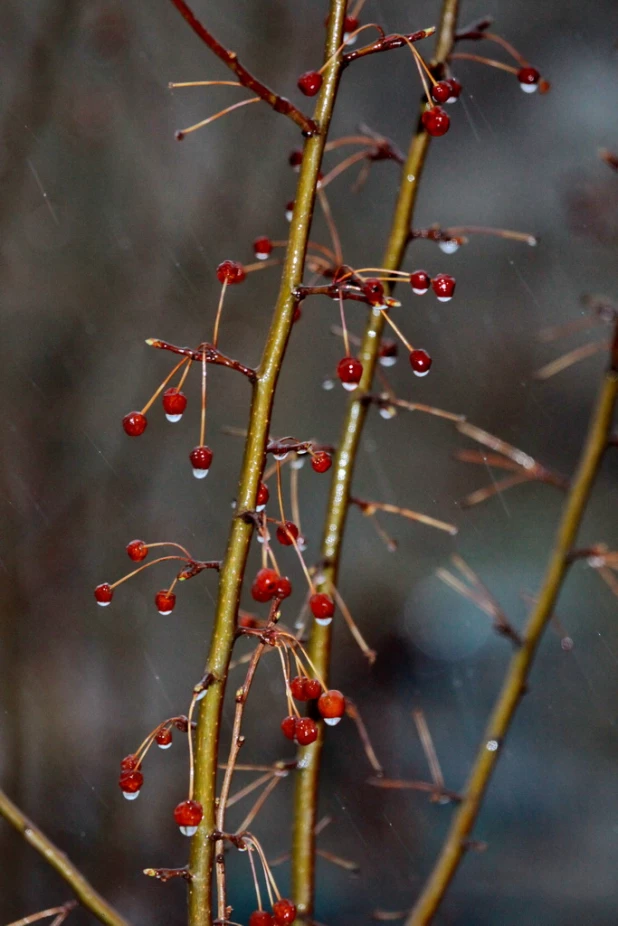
203, 848
308, 774
514, 686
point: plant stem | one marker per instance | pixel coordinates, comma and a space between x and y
520, 665
233, 568
83, 890
308, 774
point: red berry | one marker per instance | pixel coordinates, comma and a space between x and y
313, 689
165, 602
389, 351
104, 594
436, 121
284, 588
443, 286
297, 687
130, 782
188, 815
265, 585
295, 159
262, 248
298, 313
289, 210
261, 918
230, 272
456, 89
441, 92
310, 82
134, 424
287, 533
201, 458
284, 912
322, 607
164, 738
137, 550
262, 497
174, 404
306, 731
528, 79
420, 361
350, 24
420, 281
288, 727
349, 371
129, 763
373, 292
331, 706
247, 620
321, 461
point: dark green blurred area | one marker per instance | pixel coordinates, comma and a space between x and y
110, 232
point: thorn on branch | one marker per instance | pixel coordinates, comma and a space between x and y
205, 352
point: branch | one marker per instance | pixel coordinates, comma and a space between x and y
307, 776
521, 662
230, 59
83, 890
233, 567
386, 43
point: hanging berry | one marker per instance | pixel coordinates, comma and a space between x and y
262, 497
443, 286
261, 918
230, 272
295, 160
129, 762
373, 291
284, 912
420, 361
436, 121
262, 248
310, 83
349, 371
420, 281
322, 607
388, 353
104, 594
284, 588
287, 533
265, 585
165, 602
130, 782
331, 706
306, 731
201, 458
441, 92
528, 79
321, 461
305, 689
456, 89
134, 424
137, 550
174, 404
288, 727
163, 739
188, 815
289, 210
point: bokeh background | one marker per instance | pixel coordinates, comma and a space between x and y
110, 232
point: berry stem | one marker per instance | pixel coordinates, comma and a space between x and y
204, 83
203, 406
490, 62
222, 112
397, 331
215, 333
308, 776
160, 559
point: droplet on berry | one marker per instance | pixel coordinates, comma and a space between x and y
265, 585
306, 731
201, 458
441, 92
443, 286
436, 121
284, 588
420, 361
130, 782
331, 706
262, 248
295, 158
188, 815
420, 281
261, 918
389, 351
289, 210
301, 543
449, 245
104, 594
387, 412
163, 738
287, 533
288, 727
456, 89
230, 272
137, 550
262, 497
528, 79
165, 602
134, 424
321, 461
284, 912
349, 371
373, 291
322, 607
310, 83
174, 404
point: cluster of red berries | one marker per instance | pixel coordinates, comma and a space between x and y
330, 705
443, 285
446, 91
268, 584
284, 913
137, 551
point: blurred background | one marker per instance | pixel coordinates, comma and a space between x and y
110, 233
